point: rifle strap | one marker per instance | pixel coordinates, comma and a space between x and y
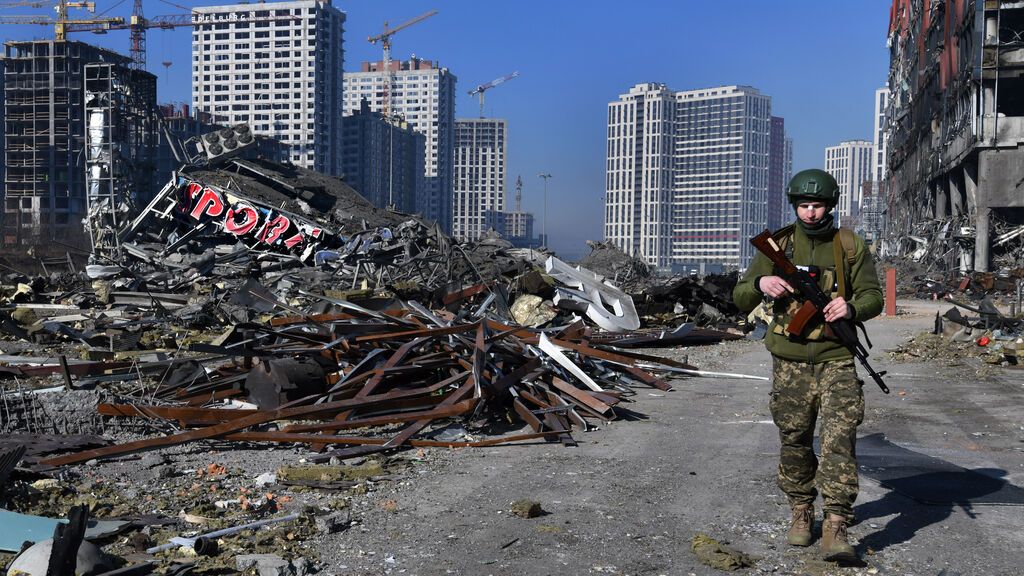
863, 331
784, 238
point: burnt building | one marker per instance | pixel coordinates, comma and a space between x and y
954, 128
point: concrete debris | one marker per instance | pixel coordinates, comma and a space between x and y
332, 523
948, 246
990, 336
628, 272
532, 311
270, 565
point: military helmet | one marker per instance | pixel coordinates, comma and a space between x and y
813, 184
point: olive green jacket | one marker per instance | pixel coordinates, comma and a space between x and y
866, 298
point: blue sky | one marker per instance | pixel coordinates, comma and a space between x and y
819, 60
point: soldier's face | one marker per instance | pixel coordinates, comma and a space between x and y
811, 212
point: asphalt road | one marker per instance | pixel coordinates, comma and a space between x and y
701, 459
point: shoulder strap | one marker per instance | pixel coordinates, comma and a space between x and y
843, 242
849, 244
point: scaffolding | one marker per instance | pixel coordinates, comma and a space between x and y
44, 138
120, 149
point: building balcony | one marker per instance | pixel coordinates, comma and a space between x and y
1008, 131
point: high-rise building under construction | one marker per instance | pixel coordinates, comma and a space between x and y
46, 85
423, 94
481, 147
278, 67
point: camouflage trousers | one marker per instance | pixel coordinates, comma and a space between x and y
802, 394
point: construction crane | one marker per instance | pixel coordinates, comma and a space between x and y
138, 25
62, 25
20, 4
485, 87
385, 39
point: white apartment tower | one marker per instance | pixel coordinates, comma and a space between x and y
481, 145
878, 131
687, 175
851, 164
283, 76
721, 187
424, 96
638, 207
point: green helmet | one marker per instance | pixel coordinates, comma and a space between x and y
813, 184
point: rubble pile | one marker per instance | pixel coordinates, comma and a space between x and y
914, 280
285, 288
948, 244
251, 304
935, 261
630, 273
703, 301
984, 332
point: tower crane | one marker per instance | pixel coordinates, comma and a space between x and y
62, 24
485, 87
385, 39
138, 25
23, 3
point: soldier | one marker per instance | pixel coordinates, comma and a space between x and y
813, 376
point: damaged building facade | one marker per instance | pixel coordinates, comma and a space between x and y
48, 109
955, 125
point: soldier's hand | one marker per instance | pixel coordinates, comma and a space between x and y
836, 310
774, 286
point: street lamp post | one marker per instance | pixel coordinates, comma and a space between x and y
544, 224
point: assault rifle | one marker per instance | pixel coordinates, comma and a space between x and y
844, 330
